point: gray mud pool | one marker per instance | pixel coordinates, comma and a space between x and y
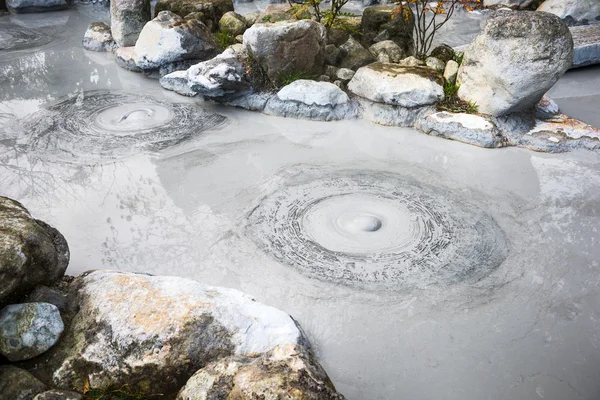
420, 268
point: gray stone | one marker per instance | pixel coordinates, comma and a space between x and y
333, 55
451, 71
435, 64
586, 40
399, 29
125, 58
18, 384
412, 61
466, 128
250, 18
324, 78
35, 6
274, 375
127, 19
28, 330
387, 51
517, 58
344, 27
313, 100
287, 47
152, 333
177, 82
331, 71
513, 4
44, 294
344, 75
573, 12
443, 52
209, 12
58, 395
98, 37
168, 39
390, 115
396, 85
233, 23
354, 55
31, 252
546, 108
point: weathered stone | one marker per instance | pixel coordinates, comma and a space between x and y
44, 294
36, 6
212, 10
546, 108
18, 384
517, 58
333, 55
344, 74
58, 395
451, 71
177, 82
466, 128
98, 37
586, 40
223, 77
287, 47
443, 52
342, 29
312, 100
396, 85
281, 12
232, 23
435, 64
412, 61
125, 58
573, 12
354, 55
514, 4
324, 78
31, 252
287, 371
153, 332
387, 51
127, 19
251, 18
28, 330
168, 39
390, 115
399, 29
331, 71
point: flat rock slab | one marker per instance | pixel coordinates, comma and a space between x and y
466, 128
587, 45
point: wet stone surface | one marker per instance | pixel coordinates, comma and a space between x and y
373, 229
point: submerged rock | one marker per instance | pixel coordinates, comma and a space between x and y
573, 12
287, 371
312, 100
127, 19
18, 384
98, 37
31, 252
153, 332
168, 39
397, 85
517, 58
28, 330
36, 6
287, 47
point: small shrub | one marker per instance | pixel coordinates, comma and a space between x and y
225, 39
452, 103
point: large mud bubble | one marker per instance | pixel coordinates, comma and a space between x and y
110, 124
373, 229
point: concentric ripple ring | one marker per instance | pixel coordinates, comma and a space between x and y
373, 229
113, 124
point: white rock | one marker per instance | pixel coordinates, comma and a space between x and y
397, 85
451, 71
221, 77
574, 12
466, 128
313, 93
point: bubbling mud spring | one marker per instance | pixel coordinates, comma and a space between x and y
368, 228
109, 123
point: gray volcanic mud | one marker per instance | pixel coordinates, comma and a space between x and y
25, 32
106, 123
369, 228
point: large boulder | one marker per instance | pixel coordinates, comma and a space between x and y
514, 4
28, 330
35, 6
153, 332
287, 47
517, 58
286, 372
168, 38
221, 78
18, 384
388, 23
211, 10
397, 85
31, 252
573, 12
127, 19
